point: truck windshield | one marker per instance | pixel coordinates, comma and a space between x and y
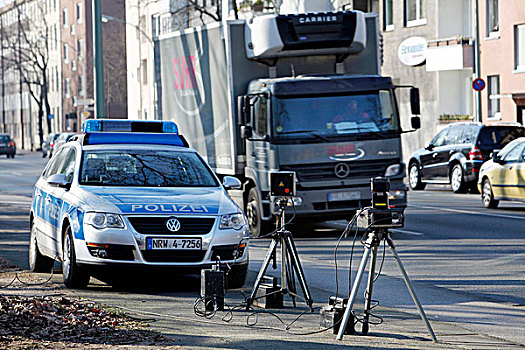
324, 117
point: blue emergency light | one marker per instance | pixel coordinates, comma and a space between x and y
137, 138
127, 125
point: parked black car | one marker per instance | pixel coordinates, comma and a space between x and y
7, 146
457, 152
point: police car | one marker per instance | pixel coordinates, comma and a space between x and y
133, 194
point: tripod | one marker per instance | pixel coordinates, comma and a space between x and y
371, 245
288, 256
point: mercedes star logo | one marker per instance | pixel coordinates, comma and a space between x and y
173, 224
342, 170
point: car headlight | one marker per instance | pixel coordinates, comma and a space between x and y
103, 220
235, 221
393, 170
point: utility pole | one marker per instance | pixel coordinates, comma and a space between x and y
20, 77
98, 60
4, 126
477, 56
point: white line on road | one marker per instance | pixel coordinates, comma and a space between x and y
408, 232
468, 212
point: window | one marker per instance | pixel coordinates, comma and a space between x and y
439, 139
66, 53
80, 45
144, 71
67, 87
68, 166
64, 18
81, 85
73, 65
261, 116
454, 135
493, 95
415, 12
388, 16
519, 47
492, 18
79, 12
72, 29
515, 154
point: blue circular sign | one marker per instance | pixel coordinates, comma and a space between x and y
478, 84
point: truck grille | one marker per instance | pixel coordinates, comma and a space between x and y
325, 171
157, 225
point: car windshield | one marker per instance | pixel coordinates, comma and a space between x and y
4, 138
145, 168
496, 137
328, 116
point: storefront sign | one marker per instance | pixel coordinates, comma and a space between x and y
413, 51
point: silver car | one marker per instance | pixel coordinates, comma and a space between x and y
134, 200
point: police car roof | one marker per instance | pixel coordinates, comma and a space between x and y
140, 138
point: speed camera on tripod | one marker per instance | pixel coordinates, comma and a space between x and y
380, 216
282, 184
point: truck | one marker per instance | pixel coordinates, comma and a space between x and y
297, 92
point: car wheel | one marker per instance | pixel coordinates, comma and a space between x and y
37, 261
456, 179
237, 276
73, 275
254, 213
414, 178
487, 196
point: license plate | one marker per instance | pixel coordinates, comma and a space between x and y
344, 196
174, 244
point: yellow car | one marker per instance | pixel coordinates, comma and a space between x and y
503, 176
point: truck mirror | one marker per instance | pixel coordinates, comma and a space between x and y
241, 109
416, 122
246, 132
414, 101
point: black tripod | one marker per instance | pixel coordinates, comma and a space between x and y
372, 243
288, 256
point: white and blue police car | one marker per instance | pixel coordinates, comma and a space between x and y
133, 194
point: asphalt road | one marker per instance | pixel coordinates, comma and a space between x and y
467, 263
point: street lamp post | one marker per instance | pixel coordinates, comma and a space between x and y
98, 60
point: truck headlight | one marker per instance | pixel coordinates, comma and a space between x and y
234, 221
103, 220
393, 170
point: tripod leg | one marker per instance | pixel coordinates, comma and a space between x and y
262, 271
296, 264
410, 288
355, 287
369, 289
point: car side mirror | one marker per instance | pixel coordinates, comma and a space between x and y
429, 147
416, 122
496, 158
59, 180
231, 183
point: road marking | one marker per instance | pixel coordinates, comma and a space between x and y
469, 212
408, 232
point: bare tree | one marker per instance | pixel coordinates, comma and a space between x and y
27, 49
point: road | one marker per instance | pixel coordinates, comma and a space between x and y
467, 263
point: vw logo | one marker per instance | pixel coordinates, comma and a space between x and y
342, 170
173, 224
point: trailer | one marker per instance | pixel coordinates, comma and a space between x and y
298, 93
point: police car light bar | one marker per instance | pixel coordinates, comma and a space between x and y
127, 125
117, 138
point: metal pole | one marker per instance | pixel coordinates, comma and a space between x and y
4, 127
477, 55
98, 64
20, 80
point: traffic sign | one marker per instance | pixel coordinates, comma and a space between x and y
478, 84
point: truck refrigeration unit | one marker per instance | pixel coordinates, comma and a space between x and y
298, 93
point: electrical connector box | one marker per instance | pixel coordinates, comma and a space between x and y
212, 289
268, 295
332, 315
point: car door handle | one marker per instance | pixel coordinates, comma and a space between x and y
451, 152
48, 199
253, 154
38, 195
434, 155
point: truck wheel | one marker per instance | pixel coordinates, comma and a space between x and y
37, 261
414, 178
254, 213
487, 196
456, 179
73, 275
237, 276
